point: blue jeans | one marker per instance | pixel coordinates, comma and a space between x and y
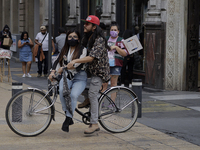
77, 86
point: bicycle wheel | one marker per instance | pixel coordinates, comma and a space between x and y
120, 116
24, 115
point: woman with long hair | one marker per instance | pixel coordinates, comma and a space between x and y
72, 50
25, 54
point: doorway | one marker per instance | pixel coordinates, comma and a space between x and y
192, 46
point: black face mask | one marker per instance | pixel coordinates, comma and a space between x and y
72, 42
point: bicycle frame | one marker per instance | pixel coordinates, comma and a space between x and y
46, 95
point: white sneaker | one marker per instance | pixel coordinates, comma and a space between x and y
122, 85
28, 75
24, 75
130, 85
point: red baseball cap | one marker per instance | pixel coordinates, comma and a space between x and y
92, 19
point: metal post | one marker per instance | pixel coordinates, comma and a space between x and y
17, 105
50, 35
50, 39
137, 88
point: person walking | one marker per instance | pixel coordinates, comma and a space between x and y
98, 65
72, 50
60, 40
5, 33
128, 62
42, 39
25, 54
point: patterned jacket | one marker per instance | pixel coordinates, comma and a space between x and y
100, 65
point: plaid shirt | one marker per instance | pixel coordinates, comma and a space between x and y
100, 65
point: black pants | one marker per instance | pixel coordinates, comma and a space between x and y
128, 61
45, 61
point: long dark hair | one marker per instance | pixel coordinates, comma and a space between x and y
65, 48
97, 32
22, 35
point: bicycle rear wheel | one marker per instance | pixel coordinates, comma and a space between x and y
121, 116
24, 115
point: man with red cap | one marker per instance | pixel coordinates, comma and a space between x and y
98, 65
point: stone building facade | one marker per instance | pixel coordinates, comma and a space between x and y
170, 35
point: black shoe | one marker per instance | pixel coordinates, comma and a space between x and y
71, 122
45, 75
39, 75
65, 126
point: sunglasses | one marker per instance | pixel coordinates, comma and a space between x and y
86, 23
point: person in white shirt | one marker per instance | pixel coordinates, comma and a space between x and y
60, 40
72, 50
42, 39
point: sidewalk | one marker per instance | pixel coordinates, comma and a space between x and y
140, 137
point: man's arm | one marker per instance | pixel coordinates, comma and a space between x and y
82, 60
36, 42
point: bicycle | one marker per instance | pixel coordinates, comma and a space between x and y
30, 112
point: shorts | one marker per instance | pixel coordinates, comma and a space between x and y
116, 70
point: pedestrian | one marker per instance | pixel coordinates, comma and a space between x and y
116, 55
98, 65
25, 54
127, 63
42, 39
5, 33
72, 50
138, 56
60, 40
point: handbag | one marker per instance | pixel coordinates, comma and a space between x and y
39, 48
7, 42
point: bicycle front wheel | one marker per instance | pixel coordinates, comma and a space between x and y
27, 113
120, 116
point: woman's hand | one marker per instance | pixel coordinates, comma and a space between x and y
71, 64
51, 75
113, 47
60, 70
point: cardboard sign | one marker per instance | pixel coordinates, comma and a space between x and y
132, 44
7, 42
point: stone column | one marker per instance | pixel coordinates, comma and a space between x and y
176, 45
21, 15
14, 26
45, 13
106, 15
1, 14
36, 17
29, 17
154, 11
5, 12
72, 21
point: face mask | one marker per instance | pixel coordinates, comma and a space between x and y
72, 42
113, 34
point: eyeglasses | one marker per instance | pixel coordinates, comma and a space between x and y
74, 37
